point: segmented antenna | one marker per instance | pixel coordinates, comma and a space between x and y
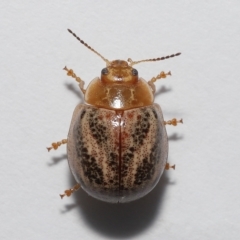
86, 45
131, 63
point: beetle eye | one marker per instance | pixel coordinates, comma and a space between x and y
104, 71
134, 72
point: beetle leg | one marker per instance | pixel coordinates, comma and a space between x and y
69, 192
154, 79
168, 166
55, 145
173, 122
78, 79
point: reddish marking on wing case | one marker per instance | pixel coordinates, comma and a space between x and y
108, 116
124, 137
130, 115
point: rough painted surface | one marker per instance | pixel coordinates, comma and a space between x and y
117, 156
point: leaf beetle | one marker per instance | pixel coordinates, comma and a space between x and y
117, 145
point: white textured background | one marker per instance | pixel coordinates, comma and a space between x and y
201, 199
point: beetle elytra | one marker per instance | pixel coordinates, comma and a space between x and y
117, 144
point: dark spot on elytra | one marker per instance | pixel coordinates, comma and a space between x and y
97, 128
126, 161
132, 149
146, 169
141, 128
82, 114
89, 164
144, 172
155, 113
90, 123
113, 161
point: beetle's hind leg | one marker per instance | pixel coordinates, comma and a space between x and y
154, 79
168, 166
173, 122
55, 145
69, 192
78, 79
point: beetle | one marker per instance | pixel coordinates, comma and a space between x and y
117, 145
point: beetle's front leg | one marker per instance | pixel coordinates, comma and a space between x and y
55, 145
69, 192
154, 79
78, 79
173, 122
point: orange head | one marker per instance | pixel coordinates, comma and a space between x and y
118, 71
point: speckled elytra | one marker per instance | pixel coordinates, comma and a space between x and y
117, 144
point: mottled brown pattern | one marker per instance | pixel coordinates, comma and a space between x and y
141, 148
117, 156
97, 138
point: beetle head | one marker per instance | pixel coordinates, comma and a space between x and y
118, 71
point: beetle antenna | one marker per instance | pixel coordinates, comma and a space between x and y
131, 63
86, 45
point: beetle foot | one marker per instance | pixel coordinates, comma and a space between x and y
78, 79
168, 166
154, 79
173, 122
55, 145
159, 76
69, 192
